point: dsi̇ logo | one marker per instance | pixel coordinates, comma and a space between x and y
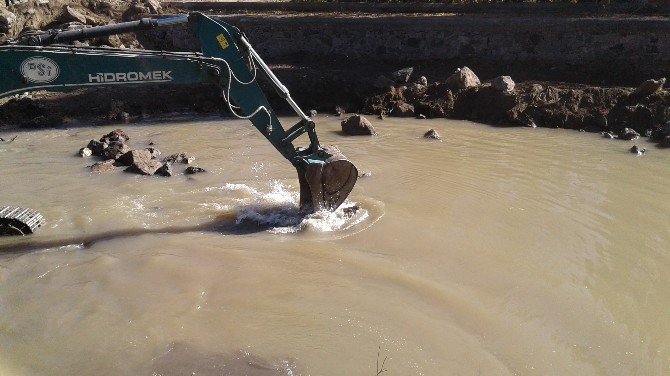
39, 70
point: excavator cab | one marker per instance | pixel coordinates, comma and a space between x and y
46, 61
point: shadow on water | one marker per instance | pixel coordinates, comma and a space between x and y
224, 224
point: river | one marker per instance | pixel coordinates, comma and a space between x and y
496, 251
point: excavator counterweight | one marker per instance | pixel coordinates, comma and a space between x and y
44, 61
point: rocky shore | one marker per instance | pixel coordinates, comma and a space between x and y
624, 113
618, 112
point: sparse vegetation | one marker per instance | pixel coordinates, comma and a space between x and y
381, 369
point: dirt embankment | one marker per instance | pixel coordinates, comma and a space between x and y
616, 110
326, 84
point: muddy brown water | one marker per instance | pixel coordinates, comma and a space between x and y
496, 251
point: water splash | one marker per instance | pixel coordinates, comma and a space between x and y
277, 210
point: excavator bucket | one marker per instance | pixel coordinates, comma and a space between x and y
325, 184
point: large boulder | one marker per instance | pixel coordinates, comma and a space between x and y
463, 78
145, 167
134, 157
358, 125
649, 87
504, 84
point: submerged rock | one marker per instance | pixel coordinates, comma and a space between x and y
179, 158
194, 170
503, 84
104, 166
358, 125
649, 87
637, 150
432, 134
628, 134
463, 78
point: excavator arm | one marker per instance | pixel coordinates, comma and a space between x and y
42, 61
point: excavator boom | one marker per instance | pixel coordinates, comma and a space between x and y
42, 61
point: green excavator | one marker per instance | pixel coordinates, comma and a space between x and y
44, 60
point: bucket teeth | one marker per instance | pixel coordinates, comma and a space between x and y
19, 221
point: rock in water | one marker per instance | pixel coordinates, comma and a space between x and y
115, 135
165, 170
358, 125
637, 150
142, 167
503, 84
179, 158
115, 150
649, 87
432, 134
194, 170
105, 166
463, 78
134, 157
85, 152
402, 76
97, 147
628, 134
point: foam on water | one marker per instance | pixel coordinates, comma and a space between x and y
277, 209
